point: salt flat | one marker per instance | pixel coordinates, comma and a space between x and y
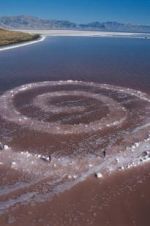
87, 33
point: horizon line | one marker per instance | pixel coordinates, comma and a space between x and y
78, 23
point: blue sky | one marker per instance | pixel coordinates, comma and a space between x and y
81, 11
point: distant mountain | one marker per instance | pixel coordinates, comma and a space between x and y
30, 22
120, 27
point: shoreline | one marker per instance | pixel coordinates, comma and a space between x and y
75, 33
22, 44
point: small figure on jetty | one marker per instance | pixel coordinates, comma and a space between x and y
104, 153
1, 146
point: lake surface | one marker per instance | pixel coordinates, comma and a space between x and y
105, 60
63, 124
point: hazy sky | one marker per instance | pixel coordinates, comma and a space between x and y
82, 11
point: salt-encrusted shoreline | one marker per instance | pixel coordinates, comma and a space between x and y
13, 46
73, 33
76, 33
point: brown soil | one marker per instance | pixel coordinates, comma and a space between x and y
12, 37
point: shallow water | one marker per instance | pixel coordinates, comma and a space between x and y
73, 121
115, 61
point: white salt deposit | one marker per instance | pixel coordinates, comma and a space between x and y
99, 175
41, 39
125, 149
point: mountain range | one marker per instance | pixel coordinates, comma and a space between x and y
30, 22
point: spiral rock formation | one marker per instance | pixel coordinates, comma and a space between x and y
83, 119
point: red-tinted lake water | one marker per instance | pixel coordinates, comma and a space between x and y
60, 132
